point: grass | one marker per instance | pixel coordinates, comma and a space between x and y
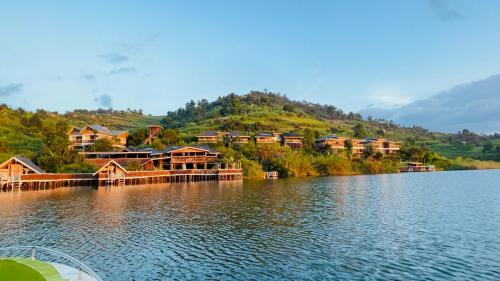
472, 164
121, 121
465, 151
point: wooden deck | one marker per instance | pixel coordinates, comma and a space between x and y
49, 181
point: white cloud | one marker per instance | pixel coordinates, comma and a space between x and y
475, 106
387, 95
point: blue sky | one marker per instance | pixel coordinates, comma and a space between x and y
157, 55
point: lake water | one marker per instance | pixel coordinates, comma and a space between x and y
440, 226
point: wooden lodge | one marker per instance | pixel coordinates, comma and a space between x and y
183, 158
358, 147
267, 138
174, 164
210, 137
79, 138
383, 146
124, 157
292, 140
219, 137
286, 139
237, 137
154, 133
332, 142
12, 170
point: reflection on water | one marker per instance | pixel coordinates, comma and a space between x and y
400, 226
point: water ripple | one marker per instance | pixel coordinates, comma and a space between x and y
437, 226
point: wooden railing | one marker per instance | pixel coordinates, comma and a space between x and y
191, 159
86, 176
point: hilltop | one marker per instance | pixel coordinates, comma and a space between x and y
113, 119
264, 111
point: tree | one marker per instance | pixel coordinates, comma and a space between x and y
134, 166
136, 137
348, 148
4, 144
156, 144
414, 153
309, 138
359, 130
288, 107
102, 145
488, 147
169, 136
369, 151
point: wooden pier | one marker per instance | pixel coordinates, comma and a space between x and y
409, 167
50, 181
271, 175
171, 165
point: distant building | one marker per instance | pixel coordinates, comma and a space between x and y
79, 138
292, 140
237, 137
286, 139
331, 142
358, 147
219, 136
210, 137
154, 132
383, 146
263, 138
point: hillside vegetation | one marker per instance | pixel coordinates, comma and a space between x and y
41, 136
262, 111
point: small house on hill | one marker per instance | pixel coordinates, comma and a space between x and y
292, 140
357, 147
210, 137
237, 137
263, 138
332, 142
383, 146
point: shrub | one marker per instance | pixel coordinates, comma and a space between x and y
252, 169
133, 166
332, 165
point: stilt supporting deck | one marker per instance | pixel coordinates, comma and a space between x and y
51, 181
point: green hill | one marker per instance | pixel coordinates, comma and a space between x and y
113, 119
258, 111
41, 135
263, 111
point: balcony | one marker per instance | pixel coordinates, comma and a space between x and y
191, 159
